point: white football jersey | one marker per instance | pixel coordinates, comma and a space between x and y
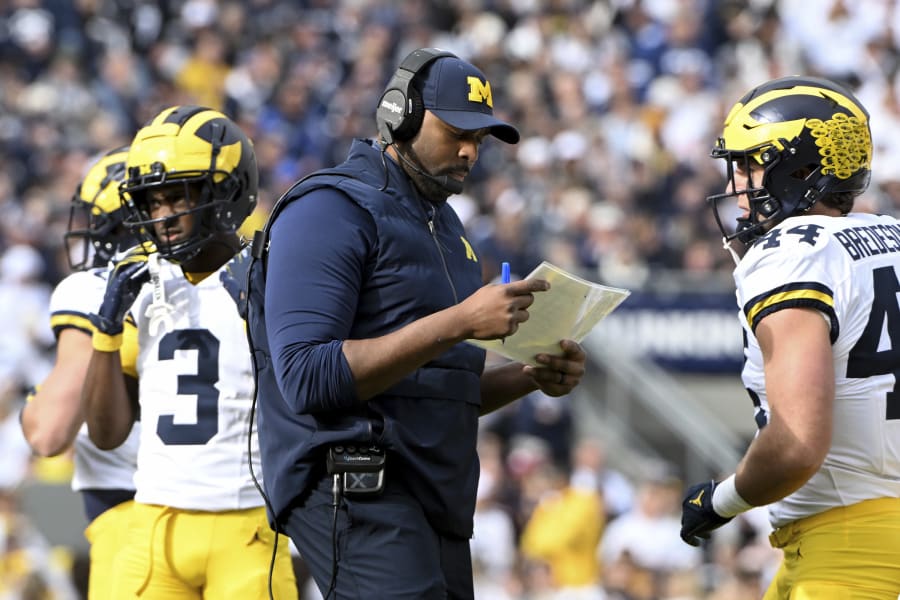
74, 298
849, 269
196, 389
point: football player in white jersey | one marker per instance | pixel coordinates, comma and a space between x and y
53, 418
198, 527
818, 295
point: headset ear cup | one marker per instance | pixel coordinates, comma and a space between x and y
389, 115
408, 127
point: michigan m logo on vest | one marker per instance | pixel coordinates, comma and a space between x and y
470, 254
480, 92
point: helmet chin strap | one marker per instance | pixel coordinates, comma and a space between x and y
160, 311
769, 210
814, 193
728, 245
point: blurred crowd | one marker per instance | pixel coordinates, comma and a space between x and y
618, 102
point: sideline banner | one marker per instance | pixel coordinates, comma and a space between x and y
682, 331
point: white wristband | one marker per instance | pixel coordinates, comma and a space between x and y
726, 501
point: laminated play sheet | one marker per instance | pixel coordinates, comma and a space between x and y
568, 310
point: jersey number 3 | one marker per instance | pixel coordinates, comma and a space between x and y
202, 385
869, 357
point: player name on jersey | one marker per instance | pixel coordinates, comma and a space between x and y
869, 240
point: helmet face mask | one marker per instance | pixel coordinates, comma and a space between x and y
764, 210
199, 205
206, 153
96, 232
810, 138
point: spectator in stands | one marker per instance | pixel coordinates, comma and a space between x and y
564, 531
24, 315
643, 541
494, 537
591, 471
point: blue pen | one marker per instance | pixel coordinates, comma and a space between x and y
504, 278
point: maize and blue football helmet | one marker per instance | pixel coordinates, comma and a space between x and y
811, 137
95, 232
207, 153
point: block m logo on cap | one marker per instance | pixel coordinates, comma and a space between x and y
480, 91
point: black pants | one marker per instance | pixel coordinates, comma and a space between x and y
386, 548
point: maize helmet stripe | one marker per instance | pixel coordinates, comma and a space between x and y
100, 186
743, 131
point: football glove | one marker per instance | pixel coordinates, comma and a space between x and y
234, 279
127, 276
698, 519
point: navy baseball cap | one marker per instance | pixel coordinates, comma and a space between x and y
460, 95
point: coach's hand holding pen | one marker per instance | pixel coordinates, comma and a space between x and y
495, 311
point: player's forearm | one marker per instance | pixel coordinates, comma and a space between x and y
54, 413
108, 408
799, 370
52, 417
777, 464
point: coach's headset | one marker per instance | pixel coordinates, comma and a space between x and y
401, 109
